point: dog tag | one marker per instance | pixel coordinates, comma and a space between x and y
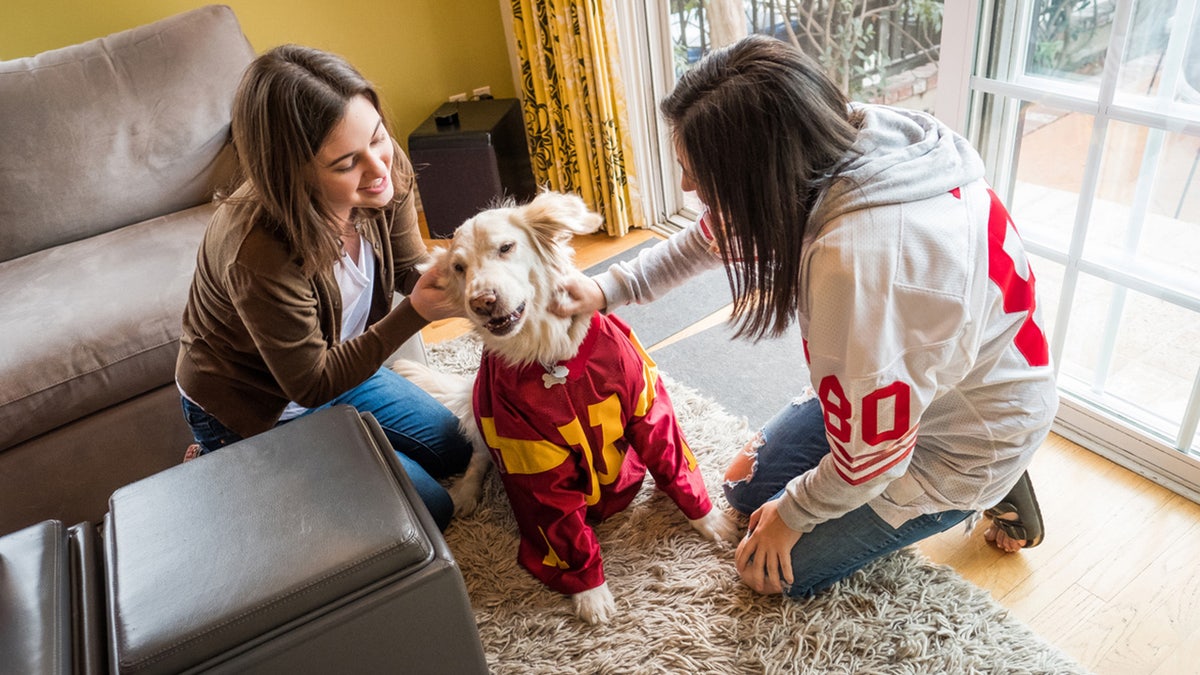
556, 376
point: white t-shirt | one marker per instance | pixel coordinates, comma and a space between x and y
355, 283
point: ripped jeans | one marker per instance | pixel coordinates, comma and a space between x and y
792, 442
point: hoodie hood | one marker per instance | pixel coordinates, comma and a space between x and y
900, 156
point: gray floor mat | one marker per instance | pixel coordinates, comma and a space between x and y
750, 379
678, 309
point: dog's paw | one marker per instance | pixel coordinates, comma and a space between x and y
595, 605
465, 495
717, 526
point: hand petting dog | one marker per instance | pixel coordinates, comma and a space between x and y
580, 294
431, 300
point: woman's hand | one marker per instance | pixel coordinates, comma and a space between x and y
578, 294
431, 299
764, 557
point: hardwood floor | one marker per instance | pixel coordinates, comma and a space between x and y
1115, 584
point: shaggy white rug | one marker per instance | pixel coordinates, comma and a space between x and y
682, 609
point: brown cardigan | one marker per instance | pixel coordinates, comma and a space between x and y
257, 333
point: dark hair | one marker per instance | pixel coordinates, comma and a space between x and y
289, 100
763, 130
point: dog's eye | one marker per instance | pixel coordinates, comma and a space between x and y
459, 268
506, 247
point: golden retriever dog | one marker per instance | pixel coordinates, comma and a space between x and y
570, 410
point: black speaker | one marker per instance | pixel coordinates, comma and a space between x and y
468, 156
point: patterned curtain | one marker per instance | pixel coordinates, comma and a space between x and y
574, 104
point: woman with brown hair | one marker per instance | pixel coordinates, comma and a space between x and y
291, 305
871, 229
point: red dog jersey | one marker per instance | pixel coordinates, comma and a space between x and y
577, 447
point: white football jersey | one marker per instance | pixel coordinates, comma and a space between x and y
921, 327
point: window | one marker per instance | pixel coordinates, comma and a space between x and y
883, 51
1088, 116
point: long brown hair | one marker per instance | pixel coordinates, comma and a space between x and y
763, 130
289, 100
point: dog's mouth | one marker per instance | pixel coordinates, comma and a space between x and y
503, 325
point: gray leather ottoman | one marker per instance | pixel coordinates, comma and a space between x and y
304, 549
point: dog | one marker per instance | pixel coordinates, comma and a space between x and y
570, 409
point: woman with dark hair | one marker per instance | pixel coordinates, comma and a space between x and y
291, 306
872, 229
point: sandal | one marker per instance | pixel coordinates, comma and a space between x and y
1022, 501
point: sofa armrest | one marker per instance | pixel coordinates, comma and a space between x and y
413, 350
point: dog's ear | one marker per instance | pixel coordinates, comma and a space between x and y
556, 216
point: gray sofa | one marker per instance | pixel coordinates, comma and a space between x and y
111, 152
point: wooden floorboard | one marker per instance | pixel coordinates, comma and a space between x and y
1115, 584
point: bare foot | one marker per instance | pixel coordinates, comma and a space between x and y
995, 536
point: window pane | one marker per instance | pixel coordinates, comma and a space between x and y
1132, 354
1051, 154
1147, 215
1037, 156
1068, 39
1162, 52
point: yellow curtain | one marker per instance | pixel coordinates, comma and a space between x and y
574, 104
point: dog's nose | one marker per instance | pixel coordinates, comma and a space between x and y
483, 303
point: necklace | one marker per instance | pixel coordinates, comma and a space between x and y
351, 241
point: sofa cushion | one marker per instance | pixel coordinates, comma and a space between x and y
90, 324
117, 130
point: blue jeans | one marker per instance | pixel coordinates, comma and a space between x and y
422, 431
793, 442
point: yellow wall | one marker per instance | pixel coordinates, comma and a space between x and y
417, 52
